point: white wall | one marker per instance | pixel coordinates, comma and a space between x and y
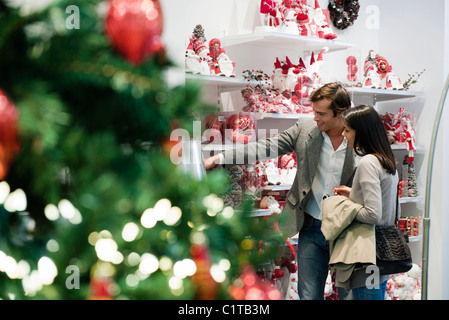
412, 34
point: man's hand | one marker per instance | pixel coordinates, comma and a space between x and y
211, 162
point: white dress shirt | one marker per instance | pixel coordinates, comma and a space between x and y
327, 176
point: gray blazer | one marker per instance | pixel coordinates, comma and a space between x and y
306, 140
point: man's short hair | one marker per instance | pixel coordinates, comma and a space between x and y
336, 93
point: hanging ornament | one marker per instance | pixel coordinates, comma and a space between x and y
351, 61
102, 285
9, 145
343, 13
205, 286
135, 27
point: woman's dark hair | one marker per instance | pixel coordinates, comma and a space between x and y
370, 135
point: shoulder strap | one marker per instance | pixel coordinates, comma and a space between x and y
397, 206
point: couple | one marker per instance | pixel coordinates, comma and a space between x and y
326, 148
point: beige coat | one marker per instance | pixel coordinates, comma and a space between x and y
351, 244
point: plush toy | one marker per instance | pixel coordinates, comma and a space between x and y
410, 141
270, 11
273, 173
269, 202
379, 74
204, 60
298, 17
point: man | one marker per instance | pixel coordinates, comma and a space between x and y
324, 161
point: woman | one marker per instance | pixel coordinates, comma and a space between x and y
375, 184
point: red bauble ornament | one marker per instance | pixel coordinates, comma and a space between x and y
205, 286
135, 27
9, 145
352, 68
351, 60
242, 126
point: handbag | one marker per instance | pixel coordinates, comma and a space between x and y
392, 252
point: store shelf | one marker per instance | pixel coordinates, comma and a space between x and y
411, 200
414, 239
419, 149
285, 41
262, 115
260, 213
379, 95
222, 84
217, 146
279, 187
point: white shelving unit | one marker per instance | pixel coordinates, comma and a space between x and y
284, 41
379, 95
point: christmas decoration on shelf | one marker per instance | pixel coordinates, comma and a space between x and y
298, 17
379, 74
351, 61
9, 145
239, 128
412, 79
292, 85
204, 60
229, 127
235, 197
410, 226
92, 205
401, 129
135, 27
410, 182
343, 13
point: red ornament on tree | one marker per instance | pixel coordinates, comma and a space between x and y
135, 27
9, 145
205, 286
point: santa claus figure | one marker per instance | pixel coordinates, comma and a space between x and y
410, 141
220, 63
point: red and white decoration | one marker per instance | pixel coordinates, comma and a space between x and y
401, 130
298, 17
207, 58
378, 73
292, 84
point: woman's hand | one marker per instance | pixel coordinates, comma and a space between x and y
342, 191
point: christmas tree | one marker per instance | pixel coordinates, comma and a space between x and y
91, 206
